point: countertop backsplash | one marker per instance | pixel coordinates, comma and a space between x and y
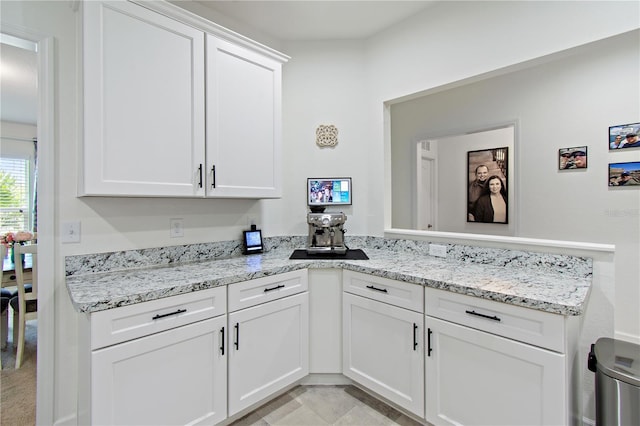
580, 267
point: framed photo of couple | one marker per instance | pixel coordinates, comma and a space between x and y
572, 158
487, 195
624, 136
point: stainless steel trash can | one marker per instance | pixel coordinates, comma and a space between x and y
617, 367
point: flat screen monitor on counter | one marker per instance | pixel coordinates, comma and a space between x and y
326, 192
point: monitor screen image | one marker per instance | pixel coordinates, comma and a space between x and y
329, 191
252, 241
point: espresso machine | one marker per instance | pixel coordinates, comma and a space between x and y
326, 233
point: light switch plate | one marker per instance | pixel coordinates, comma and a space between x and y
438, 250
70, 232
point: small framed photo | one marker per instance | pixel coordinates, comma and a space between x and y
487, 177
624, 174
572, 158
624, 136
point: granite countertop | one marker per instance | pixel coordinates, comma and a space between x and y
550, 283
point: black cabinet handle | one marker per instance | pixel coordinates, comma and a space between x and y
237, 342
213, 175
222, 336
415, 337
266, 290
200, 173
382, 290
494, 318
179, 311
429, 342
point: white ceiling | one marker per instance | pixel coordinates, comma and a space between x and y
283, 20
318, 20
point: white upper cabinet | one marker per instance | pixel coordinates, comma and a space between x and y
243, 122
143, 103
148, 75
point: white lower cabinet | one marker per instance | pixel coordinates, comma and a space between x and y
268, 345
383, 349
477, 378
158, 362
176, 377
485, 370
451, 359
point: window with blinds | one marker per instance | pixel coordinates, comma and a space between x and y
14, 194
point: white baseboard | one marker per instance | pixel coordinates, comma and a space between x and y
70, 420
325, 379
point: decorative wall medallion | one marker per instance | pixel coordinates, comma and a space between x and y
326, 135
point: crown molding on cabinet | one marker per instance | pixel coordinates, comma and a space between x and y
210, 27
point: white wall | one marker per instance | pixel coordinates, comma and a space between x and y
555, 105
341, 83
323, 84
430, 51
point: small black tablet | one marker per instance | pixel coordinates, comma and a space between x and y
252, 241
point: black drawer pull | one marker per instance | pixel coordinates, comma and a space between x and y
237, 342
222, 336
179, 311
273, 288
429, 342
494, 318
382, 290
415, 338
200, 176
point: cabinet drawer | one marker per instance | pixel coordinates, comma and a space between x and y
538, 328
397, 293
131, 322
250, 293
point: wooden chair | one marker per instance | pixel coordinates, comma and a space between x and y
5, 295
25, 304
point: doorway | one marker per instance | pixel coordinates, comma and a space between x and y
44, 124
426, 186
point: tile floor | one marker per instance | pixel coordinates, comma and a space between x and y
325, 405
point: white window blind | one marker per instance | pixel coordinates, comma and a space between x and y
14, 194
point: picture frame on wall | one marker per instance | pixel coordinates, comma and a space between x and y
572, 158
488, 177
624, 174
624, 136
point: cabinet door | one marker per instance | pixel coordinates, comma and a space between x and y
243, 122
144, 103
176, 377
383, 350
268, 349
477, 378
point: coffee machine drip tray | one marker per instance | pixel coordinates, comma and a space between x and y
327, 250
350, 254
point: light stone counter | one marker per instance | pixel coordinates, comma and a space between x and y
551, 283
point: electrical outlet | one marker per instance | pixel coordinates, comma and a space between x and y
438, 250
70, 232
176, 227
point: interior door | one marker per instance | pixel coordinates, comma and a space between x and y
426, 184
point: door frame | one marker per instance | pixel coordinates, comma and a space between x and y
46, 223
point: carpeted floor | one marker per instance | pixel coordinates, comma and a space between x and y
18, 407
